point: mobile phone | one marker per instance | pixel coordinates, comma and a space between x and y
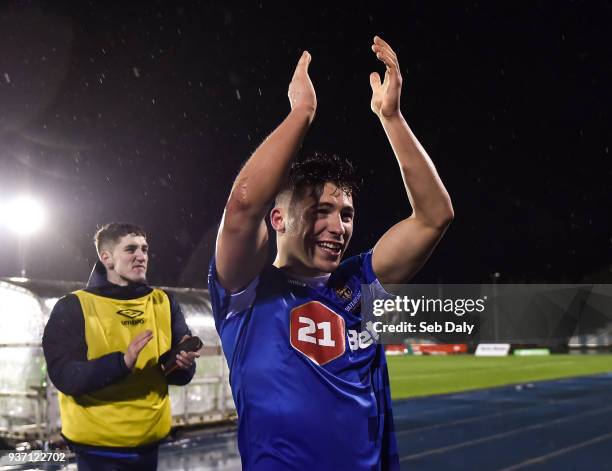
168, 360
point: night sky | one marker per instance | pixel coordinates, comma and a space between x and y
145, 111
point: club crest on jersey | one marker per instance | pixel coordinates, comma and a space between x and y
344, 293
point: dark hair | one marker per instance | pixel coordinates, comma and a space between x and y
111, 233
312, 173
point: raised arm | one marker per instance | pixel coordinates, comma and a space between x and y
405, 247
243, 237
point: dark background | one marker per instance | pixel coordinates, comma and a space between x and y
144, 111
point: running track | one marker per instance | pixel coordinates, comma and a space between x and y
553, 425
550, 425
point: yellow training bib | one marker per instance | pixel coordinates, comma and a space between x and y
134, 411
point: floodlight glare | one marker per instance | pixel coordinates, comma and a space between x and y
23, 215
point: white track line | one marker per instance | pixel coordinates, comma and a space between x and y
431, 410
477, 441
560, 452
488, 416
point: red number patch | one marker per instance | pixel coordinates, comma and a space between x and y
317, 332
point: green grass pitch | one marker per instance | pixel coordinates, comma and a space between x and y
413, 376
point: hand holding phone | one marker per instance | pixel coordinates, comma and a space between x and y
168, 361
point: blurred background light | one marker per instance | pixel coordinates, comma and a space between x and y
23, 215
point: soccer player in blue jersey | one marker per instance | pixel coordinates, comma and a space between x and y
311, 388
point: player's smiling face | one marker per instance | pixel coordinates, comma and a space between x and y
318, 231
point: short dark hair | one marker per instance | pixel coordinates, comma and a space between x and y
313, 172
113, 231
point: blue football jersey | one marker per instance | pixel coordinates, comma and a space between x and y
311, 388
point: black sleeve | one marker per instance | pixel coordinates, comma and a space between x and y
65, 352
179, 328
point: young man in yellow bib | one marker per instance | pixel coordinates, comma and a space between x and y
103, 344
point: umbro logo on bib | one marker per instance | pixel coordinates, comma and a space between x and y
131, 314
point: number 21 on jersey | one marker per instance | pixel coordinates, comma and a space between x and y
317, 332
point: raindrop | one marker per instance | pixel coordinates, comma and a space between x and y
136, 72
238, 94
7, 78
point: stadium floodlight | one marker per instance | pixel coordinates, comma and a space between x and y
23, 215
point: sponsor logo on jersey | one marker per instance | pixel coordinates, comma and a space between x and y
355, 304
361, 340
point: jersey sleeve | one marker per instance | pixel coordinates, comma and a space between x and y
360, 269
224, 304
375, 287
